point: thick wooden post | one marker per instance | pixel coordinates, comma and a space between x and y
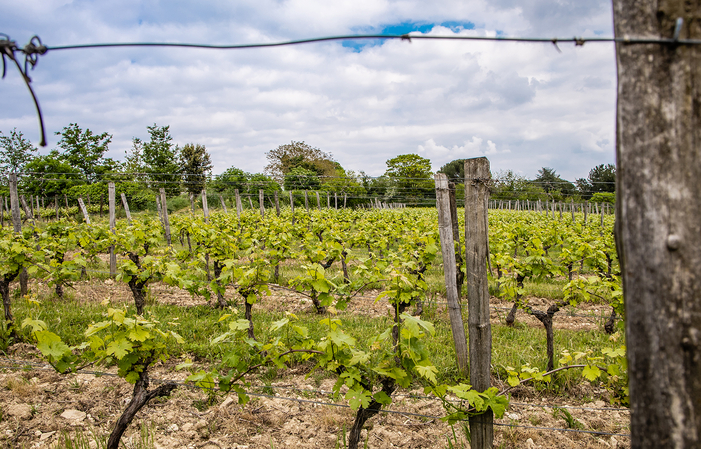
277, 204
445, 230
166, 222
477, 177
658, 219
112, 204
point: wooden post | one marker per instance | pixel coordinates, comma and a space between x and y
477, 177
166, 222
27, 212
459, 263
318, 201
335, 200
292, 207
158, 208
277, 203
192, 202
261, 202
113, 223
126, 207
83, 209
205, 207
17, 227
239, 208
657, 219
250, 202
345, 196
445, 230
65, 197
572, 209
328, 200
31, 206
102, 200
56, 206
223, 204
2, 212
306, 201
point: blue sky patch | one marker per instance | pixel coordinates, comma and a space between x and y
401, 28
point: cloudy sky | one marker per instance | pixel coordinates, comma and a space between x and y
525, 106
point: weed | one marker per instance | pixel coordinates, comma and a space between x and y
571, 421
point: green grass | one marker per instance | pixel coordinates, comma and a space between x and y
512, 346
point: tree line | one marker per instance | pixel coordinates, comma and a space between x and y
78, 167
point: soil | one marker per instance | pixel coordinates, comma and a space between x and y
40, 406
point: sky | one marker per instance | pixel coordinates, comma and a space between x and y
524, 106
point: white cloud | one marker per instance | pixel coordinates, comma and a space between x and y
521, 105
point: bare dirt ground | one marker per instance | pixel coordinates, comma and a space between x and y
38, 405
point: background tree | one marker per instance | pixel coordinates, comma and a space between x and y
161, 159
258, 181
454, 170
411, 176
556, 187
298, 154
15, 152
52, 175
196, 166
231, 179
302, 179
85, 151
511, 186
602, 178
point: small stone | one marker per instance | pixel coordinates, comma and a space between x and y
109, 282
74, 415
37, 433
514, 416
47, 435
530, 444
172, 428
21, 411
187, 427
201, 424
614, 443
227, 402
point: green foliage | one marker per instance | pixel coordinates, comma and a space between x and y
603, 197
160, 159
300, 178
454, 170
85, 151
411, 177
298, 154
15, 152
196, 165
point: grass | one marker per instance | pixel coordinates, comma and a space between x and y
512, 346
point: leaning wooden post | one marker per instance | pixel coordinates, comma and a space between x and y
83, 209
113, 222
318, 201
223, 204
657, 218
445, 230
27, 212
261, 202
126, 207
166, 222
477, 177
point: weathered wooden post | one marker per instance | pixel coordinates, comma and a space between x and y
223, 204
445, 231
84, 210
477, 178
166, 222
658, 218
277, 204
126, 207
261, 202
17, 226
239, 208
113, 223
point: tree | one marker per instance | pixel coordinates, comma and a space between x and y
511, 186
15, 152
553, 184
454, 170
298, 154
52, 175
602, 178
195, 165
233, 178
260, 181
301, 179
411, 175
161, 159
85, 151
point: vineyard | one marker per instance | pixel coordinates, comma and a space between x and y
305, 328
